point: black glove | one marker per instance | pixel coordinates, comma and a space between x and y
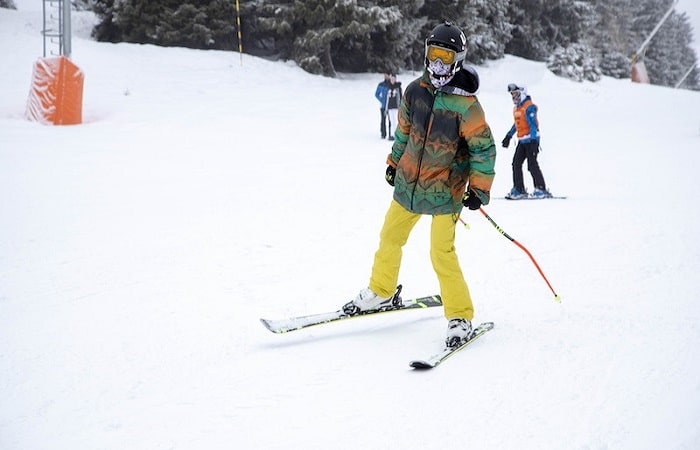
390, 175
505, 142
471, 200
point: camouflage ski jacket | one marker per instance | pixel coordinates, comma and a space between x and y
443, 146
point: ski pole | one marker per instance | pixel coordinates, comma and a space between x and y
500, 230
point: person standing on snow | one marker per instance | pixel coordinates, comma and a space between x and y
394, 94
442, 160
381, 94
528, 129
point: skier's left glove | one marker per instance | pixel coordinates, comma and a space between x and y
471, 200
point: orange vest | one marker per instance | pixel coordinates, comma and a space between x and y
521, 125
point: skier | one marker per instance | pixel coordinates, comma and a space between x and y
442, 160
528, 129
381, 94
394, 94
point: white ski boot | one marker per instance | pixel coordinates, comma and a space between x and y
458, 331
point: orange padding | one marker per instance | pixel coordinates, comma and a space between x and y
639, 73
56, 94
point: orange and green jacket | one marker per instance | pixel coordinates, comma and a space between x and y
443, 146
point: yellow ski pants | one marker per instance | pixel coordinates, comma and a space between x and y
398, 224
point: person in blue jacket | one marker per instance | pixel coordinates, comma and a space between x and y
527, 128
381, 94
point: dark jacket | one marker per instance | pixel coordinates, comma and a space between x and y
394, 94
443, 146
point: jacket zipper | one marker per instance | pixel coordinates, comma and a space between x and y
429, 125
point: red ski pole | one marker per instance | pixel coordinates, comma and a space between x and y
500, 230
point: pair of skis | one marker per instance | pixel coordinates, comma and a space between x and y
347, 312
532, 197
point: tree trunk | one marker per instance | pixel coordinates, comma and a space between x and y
327, 61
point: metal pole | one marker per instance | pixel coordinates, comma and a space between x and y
66, 31
684, 76
656, 29
238, 21
43, 30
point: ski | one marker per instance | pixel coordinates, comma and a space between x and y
530, 197
438, 358
297, 323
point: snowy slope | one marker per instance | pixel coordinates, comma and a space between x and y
138, 250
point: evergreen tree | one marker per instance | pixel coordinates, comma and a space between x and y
612, 38
486, 25
575, 62
577, 38
541, 26
323, 36
328, 25
106, 30
203, 24
82, 5
392, 43
9, 4
529, 33
668, 55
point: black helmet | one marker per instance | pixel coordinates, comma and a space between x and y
446, 45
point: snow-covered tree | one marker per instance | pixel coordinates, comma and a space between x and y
540, 27
323, 36
668, 55
486, 25
195, 23
82, 5
574, 62
622, 26
395, 28
611, 36
577, 38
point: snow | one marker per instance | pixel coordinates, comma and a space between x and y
139, 249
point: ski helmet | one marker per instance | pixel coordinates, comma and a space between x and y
445, 50
517, 92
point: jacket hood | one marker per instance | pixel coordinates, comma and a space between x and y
465, 82
524, 99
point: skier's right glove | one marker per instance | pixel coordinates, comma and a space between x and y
390, 175
506, 141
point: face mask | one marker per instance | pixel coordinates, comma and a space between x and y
440, 82
516, 96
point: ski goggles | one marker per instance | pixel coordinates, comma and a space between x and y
434, 52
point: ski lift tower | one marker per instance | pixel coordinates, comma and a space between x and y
56, 92
57, 28
639, 70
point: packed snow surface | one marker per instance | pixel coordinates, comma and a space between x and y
204, 191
